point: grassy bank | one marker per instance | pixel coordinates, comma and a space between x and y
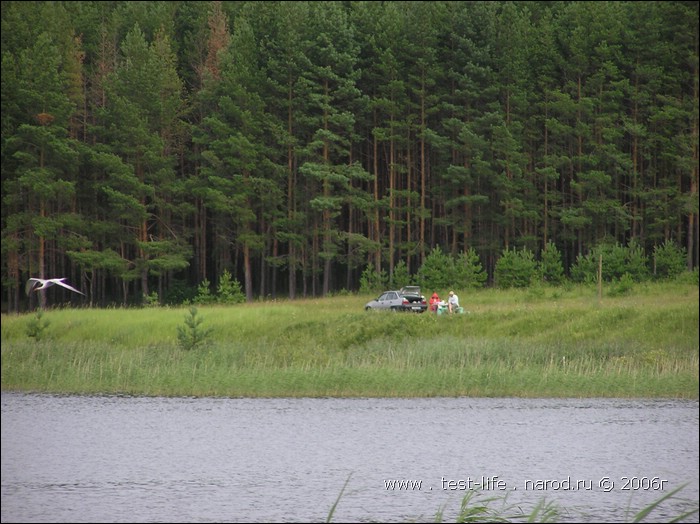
544, 342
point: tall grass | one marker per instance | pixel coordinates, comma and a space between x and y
558, 342
481, 506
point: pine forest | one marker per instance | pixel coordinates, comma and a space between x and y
302, 149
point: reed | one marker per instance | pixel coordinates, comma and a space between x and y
558, 342
480, 506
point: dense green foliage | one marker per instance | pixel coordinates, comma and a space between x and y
546, 342
150, 147
192, 335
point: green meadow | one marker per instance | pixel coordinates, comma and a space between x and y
536, 342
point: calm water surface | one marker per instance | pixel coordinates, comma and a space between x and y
124, 459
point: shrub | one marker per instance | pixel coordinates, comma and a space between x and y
191, 335
437, 271
151, 300
585, 269
622, 286
372, 281
204, 295
614, 261
515, 268
229, 290
400, 276
468, 271
636, 262
669, 260
617, 261
36, 326
550, 267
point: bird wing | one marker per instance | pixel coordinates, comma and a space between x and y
60, 282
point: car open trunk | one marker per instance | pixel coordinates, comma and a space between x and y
413, 298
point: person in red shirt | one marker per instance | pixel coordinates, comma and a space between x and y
434, 301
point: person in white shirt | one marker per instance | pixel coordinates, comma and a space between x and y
452, 302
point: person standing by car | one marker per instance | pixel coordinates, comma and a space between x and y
452, 302
434, 301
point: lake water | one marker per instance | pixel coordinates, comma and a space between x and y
134, 459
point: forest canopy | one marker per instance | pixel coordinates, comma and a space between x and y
150, 148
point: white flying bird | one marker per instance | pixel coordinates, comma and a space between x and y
35, 284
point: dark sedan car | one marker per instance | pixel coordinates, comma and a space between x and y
398, 301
